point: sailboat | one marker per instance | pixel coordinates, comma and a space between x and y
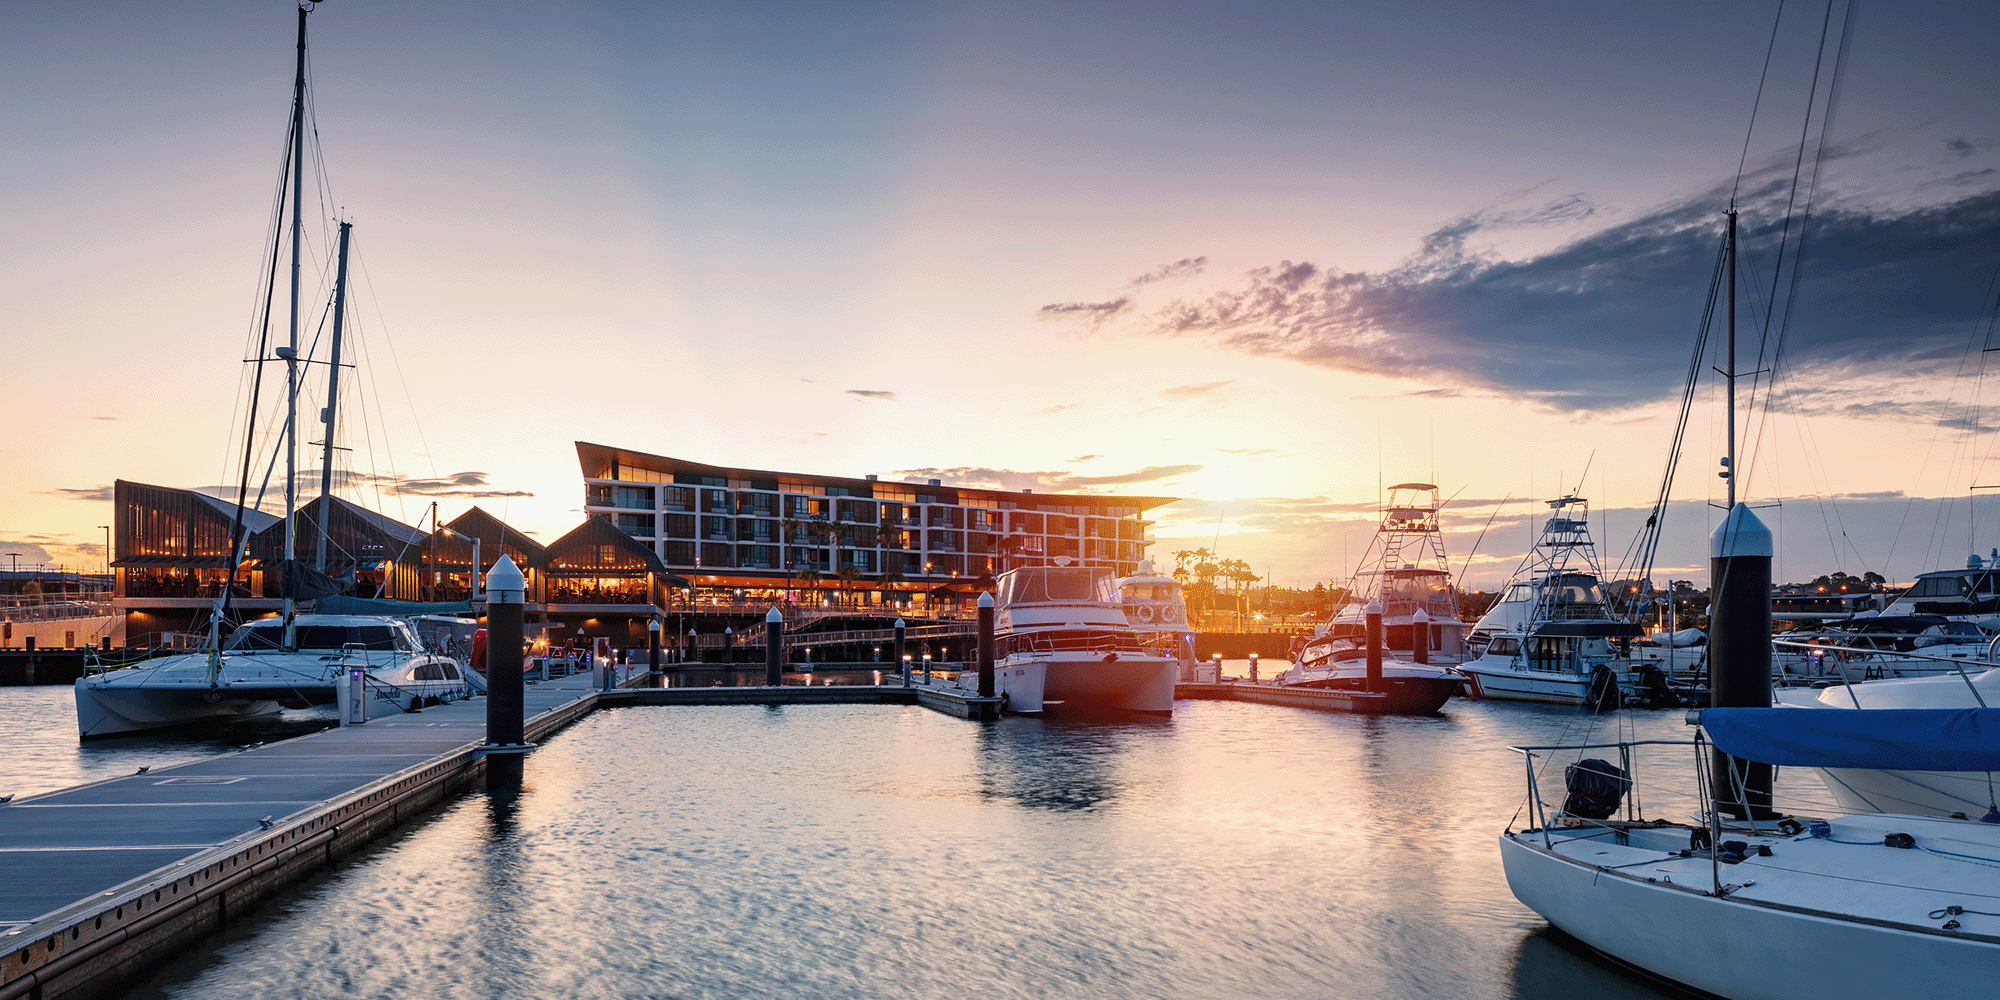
295, 660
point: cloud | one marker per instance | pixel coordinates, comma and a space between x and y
1186, 267
95, 418
1052, 410
1091, 313
1246, 451
94, 494
467, 485
1085, 458
1011, 479
1961, 146
1191, 391
873, 394
1605, 321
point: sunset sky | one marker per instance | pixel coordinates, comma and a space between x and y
1266, 257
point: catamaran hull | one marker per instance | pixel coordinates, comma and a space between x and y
103, 711
1742, 950
1128, 684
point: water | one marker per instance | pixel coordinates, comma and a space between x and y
882, 851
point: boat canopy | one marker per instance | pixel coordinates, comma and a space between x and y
1053, 585
340, 604
1591, 629
1889, 739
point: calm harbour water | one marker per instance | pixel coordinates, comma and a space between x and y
878, 851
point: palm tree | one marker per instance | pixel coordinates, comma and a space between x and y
810, 577
890, 577
788, 532
849, 575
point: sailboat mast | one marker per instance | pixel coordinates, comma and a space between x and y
332, 398
1729, 473
292, 355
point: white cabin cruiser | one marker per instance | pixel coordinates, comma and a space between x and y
1060, 636
1553, 637
255, 674
1924, 793
1848, 908
1971, 594
1155, 608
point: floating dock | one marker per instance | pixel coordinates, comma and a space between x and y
103, 880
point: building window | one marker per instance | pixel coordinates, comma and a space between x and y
640, 525
678, 497
632, 497
679, 554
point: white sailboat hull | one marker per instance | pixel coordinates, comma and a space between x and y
1738, 948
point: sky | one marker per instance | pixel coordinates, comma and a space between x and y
1264, 257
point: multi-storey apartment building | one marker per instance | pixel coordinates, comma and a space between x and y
756, 531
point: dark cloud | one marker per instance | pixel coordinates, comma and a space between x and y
872, 393
1186, 267
466, 485
1191, 391
1963, 147
1605, 321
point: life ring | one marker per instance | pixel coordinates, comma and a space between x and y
1146, 613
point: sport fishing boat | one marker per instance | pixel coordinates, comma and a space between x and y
1853, 907
1552, 636
257, 672
1878, 647
1061, 637
1155, 608
1407, 582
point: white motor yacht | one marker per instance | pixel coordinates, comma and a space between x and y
1848, 908
1552, 637
1920, 792
255, 673
1155, 608
1060, 636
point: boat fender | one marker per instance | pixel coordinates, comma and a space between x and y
1902, 840
1603, 694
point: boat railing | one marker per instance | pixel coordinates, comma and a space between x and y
1958, 663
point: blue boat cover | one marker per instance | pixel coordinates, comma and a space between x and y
340, 604
1899, 739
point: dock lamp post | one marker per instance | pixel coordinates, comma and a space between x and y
927, 664
688, 651
729, 645
506, 689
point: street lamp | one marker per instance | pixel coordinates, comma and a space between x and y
107, 548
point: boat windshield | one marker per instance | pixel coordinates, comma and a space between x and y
1163, 592
1577, 588
271, 635
1050, 584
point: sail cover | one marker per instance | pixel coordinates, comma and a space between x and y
343, 605
1898, 739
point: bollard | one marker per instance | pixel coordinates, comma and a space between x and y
653, 647
1215, 660
927, 662
1253, 667
985, 645
1739, 652
1420, 637
774, 648
902, 658
1373, 618
506, 692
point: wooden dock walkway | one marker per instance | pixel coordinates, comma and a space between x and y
105, 879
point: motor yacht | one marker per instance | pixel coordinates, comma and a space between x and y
1062, 637
1155, 608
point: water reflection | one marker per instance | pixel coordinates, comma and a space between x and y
1063, 762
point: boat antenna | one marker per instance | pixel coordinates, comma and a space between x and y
1459, 582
